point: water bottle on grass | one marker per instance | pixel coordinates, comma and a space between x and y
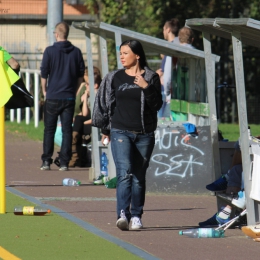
70, 182
202, 232
30, 210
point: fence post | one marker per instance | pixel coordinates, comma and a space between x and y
36, 99
18, 115
27, 109
11, 115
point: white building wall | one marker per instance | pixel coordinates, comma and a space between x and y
27, 42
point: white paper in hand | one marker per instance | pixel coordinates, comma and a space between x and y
105, 142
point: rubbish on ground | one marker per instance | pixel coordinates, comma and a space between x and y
70, 182
30, 210
202, 233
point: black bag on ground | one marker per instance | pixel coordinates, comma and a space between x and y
21, 98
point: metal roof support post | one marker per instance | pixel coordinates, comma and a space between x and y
243, 123
192, 80
118, 38
94, 136
54, 16
104, 62
103, 53
210, 77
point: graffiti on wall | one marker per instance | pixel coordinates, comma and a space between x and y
177, 153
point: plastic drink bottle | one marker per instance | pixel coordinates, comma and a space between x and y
30, 210
104, 163
70, 182
104, 160
202, 232
104, 170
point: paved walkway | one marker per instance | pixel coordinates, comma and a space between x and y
93, 208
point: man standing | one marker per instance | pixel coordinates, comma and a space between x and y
63, 66
170, 33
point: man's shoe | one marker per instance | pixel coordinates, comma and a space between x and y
211, 222
218, 185
64, 168
99, 180
136, 223
252, 231
214, 221
122, 222
240, 200
45, 166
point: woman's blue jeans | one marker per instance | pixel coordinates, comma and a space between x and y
131, 153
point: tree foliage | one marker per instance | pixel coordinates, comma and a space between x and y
138, 15
149, 16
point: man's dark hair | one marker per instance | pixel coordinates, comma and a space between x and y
174, 25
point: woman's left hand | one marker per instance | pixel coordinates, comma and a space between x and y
105, 140
84, 97
140, 81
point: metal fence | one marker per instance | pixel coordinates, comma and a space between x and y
32, 83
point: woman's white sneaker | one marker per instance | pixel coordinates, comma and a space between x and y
122, 222
136, 223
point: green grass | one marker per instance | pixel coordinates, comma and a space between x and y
52, 237
229, 131
26, 130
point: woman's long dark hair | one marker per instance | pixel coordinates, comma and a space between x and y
137, 49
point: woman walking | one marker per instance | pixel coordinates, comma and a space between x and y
125, 108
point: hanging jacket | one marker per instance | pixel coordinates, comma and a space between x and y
151, 102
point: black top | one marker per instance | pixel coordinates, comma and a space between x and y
105, 102
127, 113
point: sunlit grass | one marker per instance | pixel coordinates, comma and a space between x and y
29, 130
229, 131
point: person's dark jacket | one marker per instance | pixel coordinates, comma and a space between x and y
62, 65
151, 102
